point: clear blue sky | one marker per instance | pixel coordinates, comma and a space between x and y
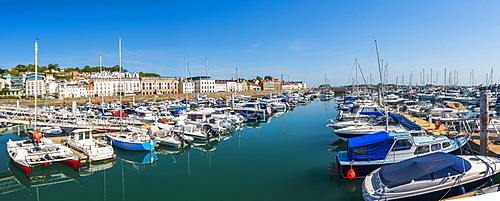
301, 39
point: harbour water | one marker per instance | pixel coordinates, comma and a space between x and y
285, 158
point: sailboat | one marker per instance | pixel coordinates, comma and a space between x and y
133, 141
29, 153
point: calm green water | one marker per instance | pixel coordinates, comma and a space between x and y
286, 158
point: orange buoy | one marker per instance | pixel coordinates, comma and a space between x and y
36, 135
438, 124
351, 173
164, 120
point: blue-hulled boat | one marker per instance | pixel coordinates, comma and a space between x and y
132, 141
367, 153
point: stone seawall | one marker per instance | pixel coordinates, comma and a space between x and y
67, 101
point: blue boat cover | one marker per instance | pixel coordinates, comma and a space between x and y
369, 147
408, 124
431, 166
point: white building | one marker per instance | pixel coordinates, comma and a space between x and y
296, 85
111, 86
30, 85
203, 84
72, 89
186, 86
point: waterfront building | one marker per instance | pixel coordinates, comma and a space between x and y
294, 85
186, 86
110, 86
273, 84
241, 85
220, 86
226, 85
72, 89
16, 86
159, 85
32, 84
254, 87
203, 84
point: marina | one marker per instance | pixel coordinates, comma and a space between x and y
287, 154
285, 157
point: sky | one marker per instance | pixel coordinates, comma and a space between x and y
316, 41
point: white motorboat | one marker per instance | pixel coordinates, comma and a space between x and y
367, 153
50, 130
95, 150
166, 136
430, 177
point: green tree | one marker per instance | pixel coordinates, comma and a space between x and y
258, 78
53, 66
267, 77
5, 91
14, 72
141, 74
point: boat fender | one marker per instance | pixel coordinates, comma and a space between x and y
437, 124
164, 120
462, 190
351, 173
490, 181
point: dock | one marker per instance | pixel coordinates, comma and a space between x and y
494, 138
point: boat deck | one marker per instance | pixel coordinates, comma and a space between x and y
493, 146
61, 140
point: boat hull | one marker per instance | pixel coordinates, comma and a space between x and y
360, 170
134, 146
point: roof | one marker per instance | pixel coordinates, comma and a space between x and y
427, 167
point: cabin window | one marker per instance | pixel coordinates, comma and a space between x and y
446, 144
435, 147
404, 144
369, 109
422, 150
361, 151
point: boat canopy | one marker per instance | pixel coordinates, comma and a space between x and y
431, 166
408, 124
369, 147
454, 105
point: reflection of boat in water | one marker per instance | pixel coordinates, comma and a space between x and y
45, 175
206, 145
136, 160
169, 150
88, 169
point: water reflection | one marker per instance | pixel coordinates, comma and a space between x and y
136, 160
45, 175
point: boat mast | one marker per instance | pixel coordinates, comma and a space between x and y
380, 74
120, 90
102, 87
356, 63
36, 82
